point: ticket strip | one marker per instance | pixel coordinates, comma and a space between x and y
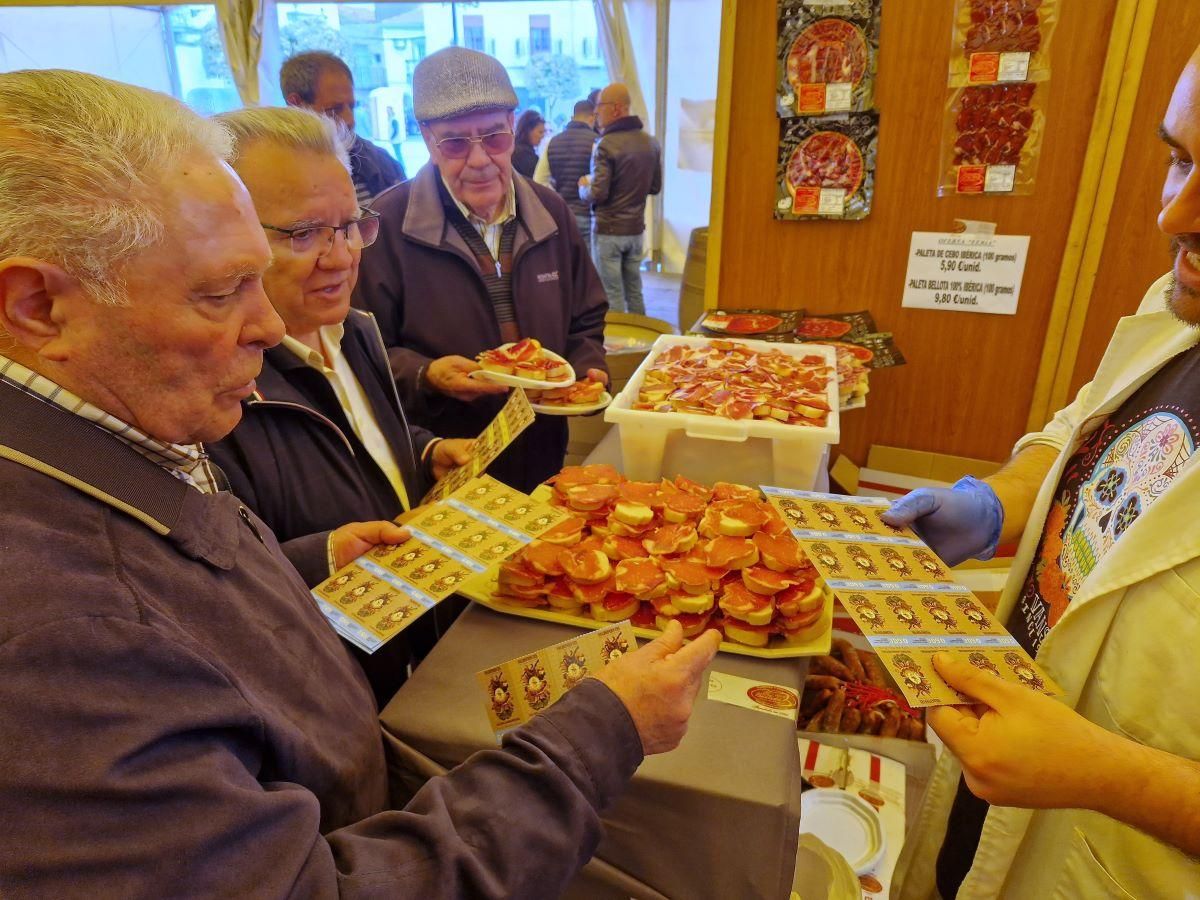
904, 598
466, 535
519, 689
514, 417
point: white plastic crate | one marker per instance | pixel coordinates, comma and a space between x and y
751, 451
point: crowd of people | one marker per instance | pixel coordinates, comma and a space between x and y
232, 350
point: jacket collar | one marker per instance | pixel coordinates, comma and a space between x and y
583, 125
425, 218
625, 123
69, 449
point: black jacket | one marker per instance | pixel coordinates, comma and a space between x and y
373, 169
570, 154
295, 460
524, 159
626, 167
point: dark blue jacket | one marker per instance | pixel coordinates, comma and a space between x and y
570, 153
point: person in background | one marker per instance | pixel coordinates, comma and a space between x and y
568, 158
531, 128
321, 82
626, 169
471, 258
593, 98
396, 137
178, 716
1097, 796
323, 439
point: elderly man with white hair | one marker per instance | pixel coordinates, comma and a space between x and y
178, 717
472, 256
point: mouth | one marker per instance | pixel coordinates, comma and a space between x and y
241, 392
332, 290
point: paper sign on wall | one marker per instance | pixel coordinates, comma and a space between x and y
965, 272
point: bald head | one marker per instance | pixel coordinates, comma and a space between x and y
613, 104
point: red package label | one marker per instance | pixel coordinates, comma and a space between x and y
971, 179
807, 201
811, 98
984, 68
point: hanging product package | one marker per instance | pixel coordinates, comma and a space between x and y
999, 41
826, 57
992, 139
826, 167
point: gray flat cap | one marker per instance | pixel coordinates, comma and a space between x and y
456, 81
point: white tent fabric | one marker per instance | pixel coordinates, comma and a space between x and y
617, 47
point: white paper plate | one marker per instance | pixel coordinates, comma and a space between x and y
847, 824
515, 381
580, 410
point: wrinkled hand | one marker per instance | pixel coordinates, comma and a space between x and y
658, 684
449, 454
448, 375
598, 375
958, 523
1019, 747
355, 538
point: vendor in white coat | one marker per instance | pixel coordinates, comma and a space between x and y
1098, 796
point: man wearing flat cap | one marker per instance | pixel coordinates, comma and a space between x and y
473, 256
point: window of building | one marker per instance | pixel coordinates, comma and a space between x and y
473, 33
539, 34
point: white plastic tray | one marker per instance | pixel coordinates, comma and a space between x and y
796, 450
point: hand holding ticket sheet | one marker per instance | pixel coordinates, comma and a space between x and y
903, 597
515, 416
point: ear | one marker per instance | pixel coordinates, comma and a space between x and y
34, 299
430, 141
294, 99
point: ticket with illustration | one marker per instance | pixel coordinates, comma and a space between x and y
514, 417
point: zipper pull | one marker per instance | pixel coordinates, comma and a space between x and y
245, 517
499, 273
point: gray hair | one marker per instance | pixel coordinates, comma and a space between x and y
300, 73
81, 163
295, 129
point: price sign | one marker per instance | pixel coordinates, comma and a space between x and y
965, 272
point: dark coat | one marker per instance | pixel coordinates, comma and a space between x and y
296, 461
626, 168
524, 159
180, 720
570, 158
425, 288
372, 167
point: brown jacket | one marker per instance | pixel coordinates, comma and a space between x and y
626, 168
179, 720
424, 287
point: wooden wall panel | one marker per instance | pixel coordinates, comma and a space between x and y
967, 387
1135, 251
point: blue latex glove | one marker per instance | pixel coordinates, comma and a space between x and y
958, 523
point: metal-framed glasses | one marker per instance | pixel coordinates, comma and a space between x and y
317, 240
460, 147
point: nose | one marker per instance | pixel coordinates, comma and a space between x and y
1181, 203
262, 328
478, 157
340, 256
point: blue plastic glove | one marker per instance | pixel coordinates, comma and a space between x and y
958, 523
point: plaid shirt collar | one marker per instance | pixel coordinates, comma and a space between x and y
187, 462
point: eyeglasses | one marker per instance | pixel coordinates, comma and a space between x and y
317, 240
460, 147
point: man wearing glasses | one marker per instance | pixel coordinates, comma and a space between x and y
323, 439
472, 257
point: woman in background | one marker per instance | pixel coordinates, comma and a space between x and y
531, 128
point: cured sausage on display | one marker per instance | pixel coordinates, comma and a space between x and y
993, 139
827, 56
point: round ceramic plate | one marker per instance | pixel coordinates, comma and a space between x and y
532, 383
847, 824
583, 410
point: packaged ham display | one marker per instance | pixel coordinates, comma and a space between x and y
826, 167
827, 56
748, 321
992, 140
998, 41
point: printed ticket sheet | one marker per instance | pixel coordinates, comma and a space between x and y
519, 689
462, 537
515, 416
903, 597
773, 699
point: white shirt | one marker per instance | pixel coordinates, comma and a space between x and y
541, 174
353, 401
489, 231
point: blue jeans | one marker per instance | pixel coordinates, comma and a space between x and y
619, 259
585, 229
